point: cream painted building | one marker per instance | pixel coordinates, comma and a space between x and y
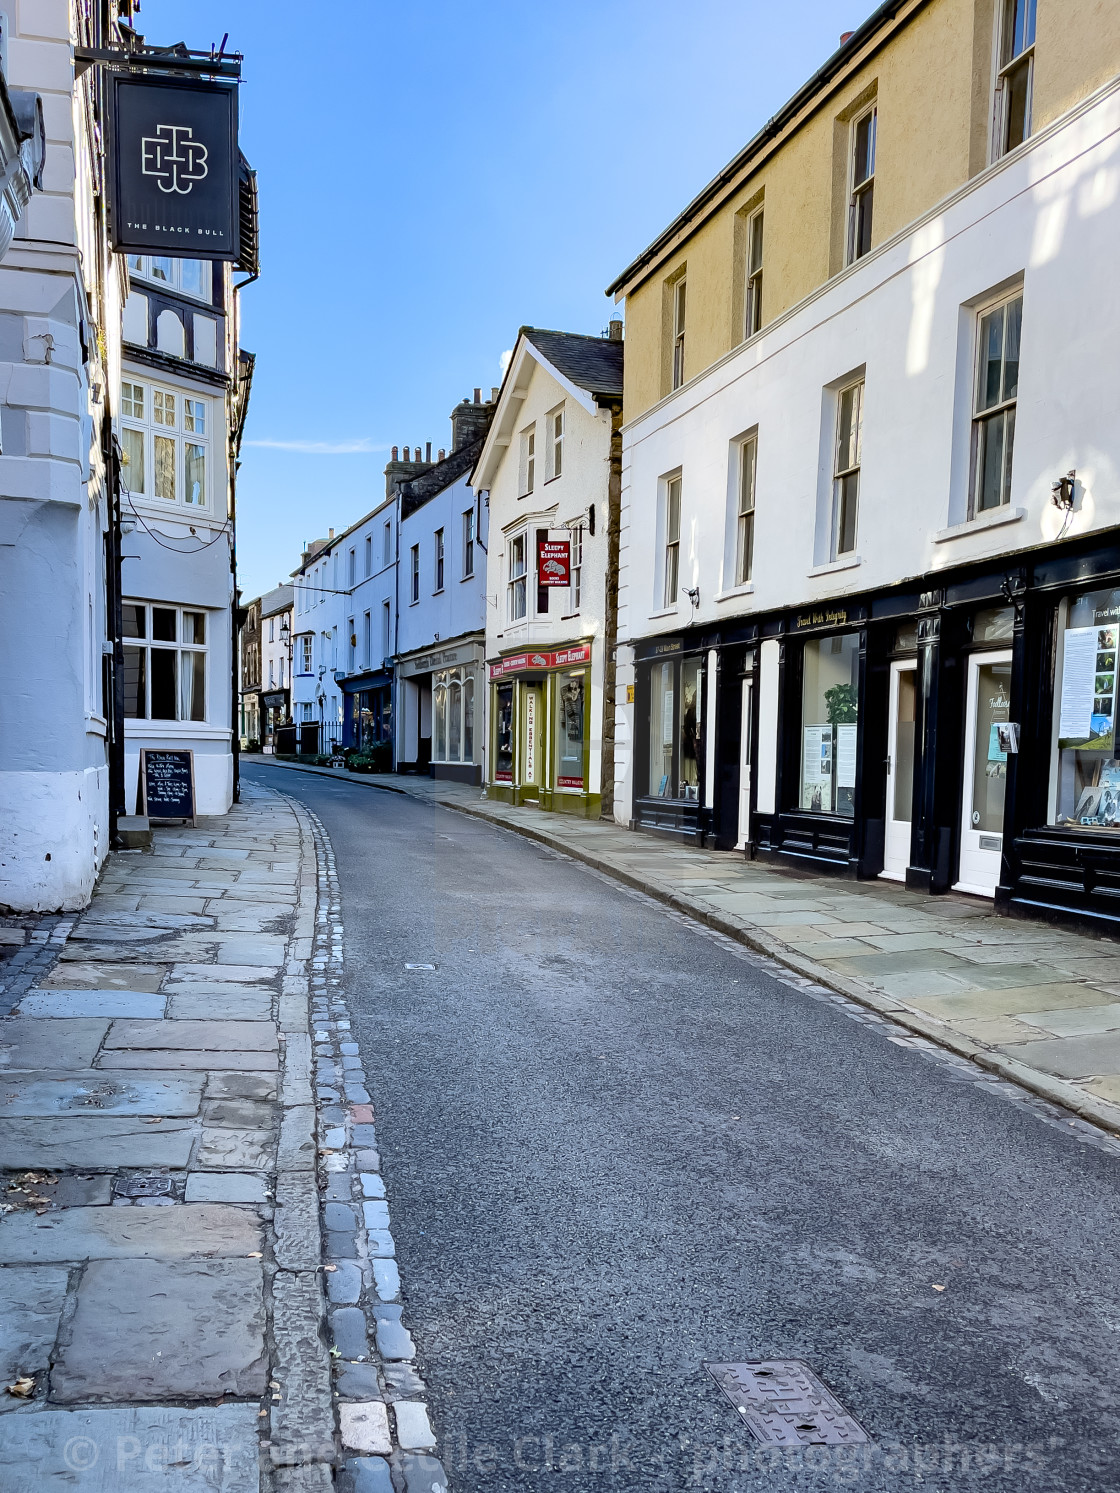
551, 467
872, 473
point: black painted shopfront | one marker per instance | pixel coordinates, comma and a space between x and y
958, 733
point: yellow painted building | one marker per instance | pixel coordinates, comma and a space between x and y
927, 94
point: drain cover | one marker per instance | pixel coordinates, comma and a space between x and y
143, 1187
419, 966
784, 1404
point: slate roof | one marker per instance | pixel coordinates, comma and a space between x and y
438, 478
592, 363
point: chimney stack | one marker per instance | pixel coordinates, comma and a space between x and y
614, 329
478, 396
470, 421
330, 533
493, 395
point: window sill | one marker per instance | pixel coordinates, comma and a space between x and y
465, 578
568, 616
438, 591
847, 562
991, 520
664, 612
734, 591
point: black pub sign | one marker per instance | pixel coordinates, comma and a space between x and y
174, 174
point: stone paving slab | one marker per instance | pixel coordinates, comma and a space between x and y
29, 1044
105, 975
214, 1036
149, 1329
193, 1231
31, 1303
132, 1450
23, 1095
96, 1141
60, 1004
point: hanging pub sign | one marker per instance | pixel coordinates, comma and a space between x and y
554, 562
174, 176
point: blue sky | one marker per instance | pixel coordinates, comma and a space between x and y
434, 175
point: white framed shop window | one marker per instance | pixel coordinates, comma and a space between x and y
165, 650
453, 715
165, 445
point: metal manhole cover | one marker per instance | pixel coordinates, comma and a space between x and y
143, 1187
783, 1403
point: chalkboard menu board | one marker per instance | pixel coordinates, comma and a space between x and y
168, 782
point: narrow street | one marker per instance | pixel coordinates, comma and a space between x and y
617, 1148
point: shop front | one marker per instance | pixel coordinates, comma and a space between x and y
954, 738
275, 711
439, 711
367, 716
541, 728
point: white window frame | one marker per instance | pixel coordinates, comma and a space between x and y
746, 499
387, 544
351, 646
468, 543
386, 629
167, 272
439, 558
846, 473
752, 304
576, 591
352, 568
1003, 410
680, 312
367, 640
172, 415
555, 454
671, 557
414, 575
149, 645
1006, 65
517, 585
307, 653
861, 192
528, 460
369, 556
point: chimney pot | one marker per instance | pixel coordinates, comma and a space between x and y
442, 454
493, 395
428, 451
478, 396
614, 329
330, 533
394, 453
846, 36
406, 453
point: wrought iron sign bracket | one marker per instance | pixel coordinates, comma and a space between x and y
177, 59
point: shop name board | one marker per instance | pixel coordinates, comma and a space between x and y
439, 660
174, 180
833, 617
554, 562
523, 663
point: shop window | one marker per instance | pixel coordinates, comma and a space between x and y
997, 387
164, 663
1087, 787
570, 730
453, 709
995, 625
503, 734
829, 724
675, 728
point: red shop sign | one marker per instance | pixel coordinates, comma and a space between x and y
559, 658
554, 562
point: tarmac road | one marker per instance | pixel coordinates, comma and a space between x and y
618, 1148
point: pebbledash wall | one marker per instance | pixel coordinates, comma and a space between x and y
60, 308
938, 626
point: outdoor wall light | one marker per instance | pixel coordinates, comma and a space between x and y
693, 594
1061, 491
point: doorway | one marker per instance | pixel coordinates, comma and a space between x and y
901, 723
745, 767
985, 773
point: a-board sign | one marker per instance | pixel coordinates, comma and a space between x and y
167, 779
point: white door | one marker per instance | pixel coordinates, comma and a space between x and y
985, 772
901, 723
745, 767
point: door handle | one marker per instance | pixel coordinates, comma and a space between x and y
887, 760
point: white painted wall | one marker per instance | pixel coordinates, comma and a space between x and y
459, 607
1049, 214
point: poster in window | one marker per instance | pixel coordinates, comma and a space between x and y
1087, 712
846, 756
816, 769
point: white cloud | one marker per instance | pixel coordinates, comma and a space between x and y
323, 448
506, 356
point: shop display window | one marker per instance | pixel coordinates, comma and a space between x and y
830, 723
676, 728
453, 711
503, 731
1087, 776
570, 730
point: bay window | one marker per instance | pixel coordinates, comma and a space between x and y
164, 444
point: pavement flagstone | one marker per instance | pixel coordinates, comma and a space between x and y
1034, 1003
166, 1130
